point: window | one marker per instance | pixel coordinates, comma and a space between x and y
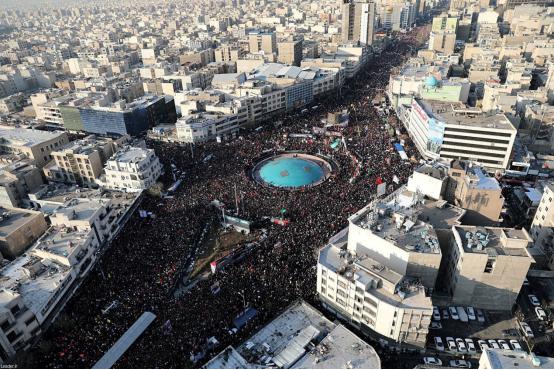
342, 285
341, 293
29, 321
341, 302
15, 309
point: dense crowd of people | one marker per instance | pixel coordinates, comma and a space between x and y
144, 263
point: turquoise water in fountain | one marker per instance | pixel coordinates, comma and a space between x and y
291, 172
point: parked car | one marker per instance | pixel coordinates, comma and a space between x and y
526, 329
515, 345
493, 344
439, 345
462, 314
503, 344
534, 300
480, 315
435, 325
460, 363
525, 282
432, 361
471, 313
451, 344
436, 314
453, 313
470, 346
461, 345
483, 345
540, 313
445, 314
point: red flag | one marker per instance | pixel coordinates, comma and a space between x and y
379, 180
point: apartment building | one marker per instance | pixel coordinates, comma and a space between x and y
265, 42
132, 169
376, 273
206, 126
486, 266
19, 228
17, 179
358, 21
34, 144
449, 131
226, 53
290, 52
82, 161
542, 227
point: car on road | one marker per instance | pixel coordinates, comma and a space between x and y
470, 346
493, 344
483, 345
471, 313
445, 314
503, 344
526, 329
453, 313
540, 313
436, 314
534, 300
480, 315
515, 345
525, 282
451, 344
461, 345
439, 345
460, 363
432, 361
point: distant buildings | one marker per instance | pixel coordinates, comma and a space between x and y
358, 21
290, 52
132, 170
262, 41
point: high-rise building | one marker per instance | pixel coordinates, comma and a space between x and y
265, 42
442, 41
358, 21
444, 23
542, 227
290, 52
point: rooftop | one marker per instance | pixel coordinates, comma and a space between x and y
12, 219
384, 283
61, 241
131, 154
26, 137
34, 278
494, 241
459, 114
502, 359
396, 218
301, 337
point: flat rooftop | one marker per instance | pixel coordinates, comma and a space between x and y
459, 114
387, 285
25, 137
61, 241
487, 240
502, 359
396, 218
130, 155
11, 219
299, 338
34, 278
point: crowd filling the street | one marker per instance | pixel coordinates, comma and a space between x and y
151, 257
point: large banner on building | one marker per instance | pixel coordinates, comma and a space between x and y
435, 128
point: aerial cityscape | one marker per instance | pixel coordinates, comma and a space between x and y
306, 184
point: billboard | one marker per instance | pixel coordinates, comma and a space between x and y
435, 128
